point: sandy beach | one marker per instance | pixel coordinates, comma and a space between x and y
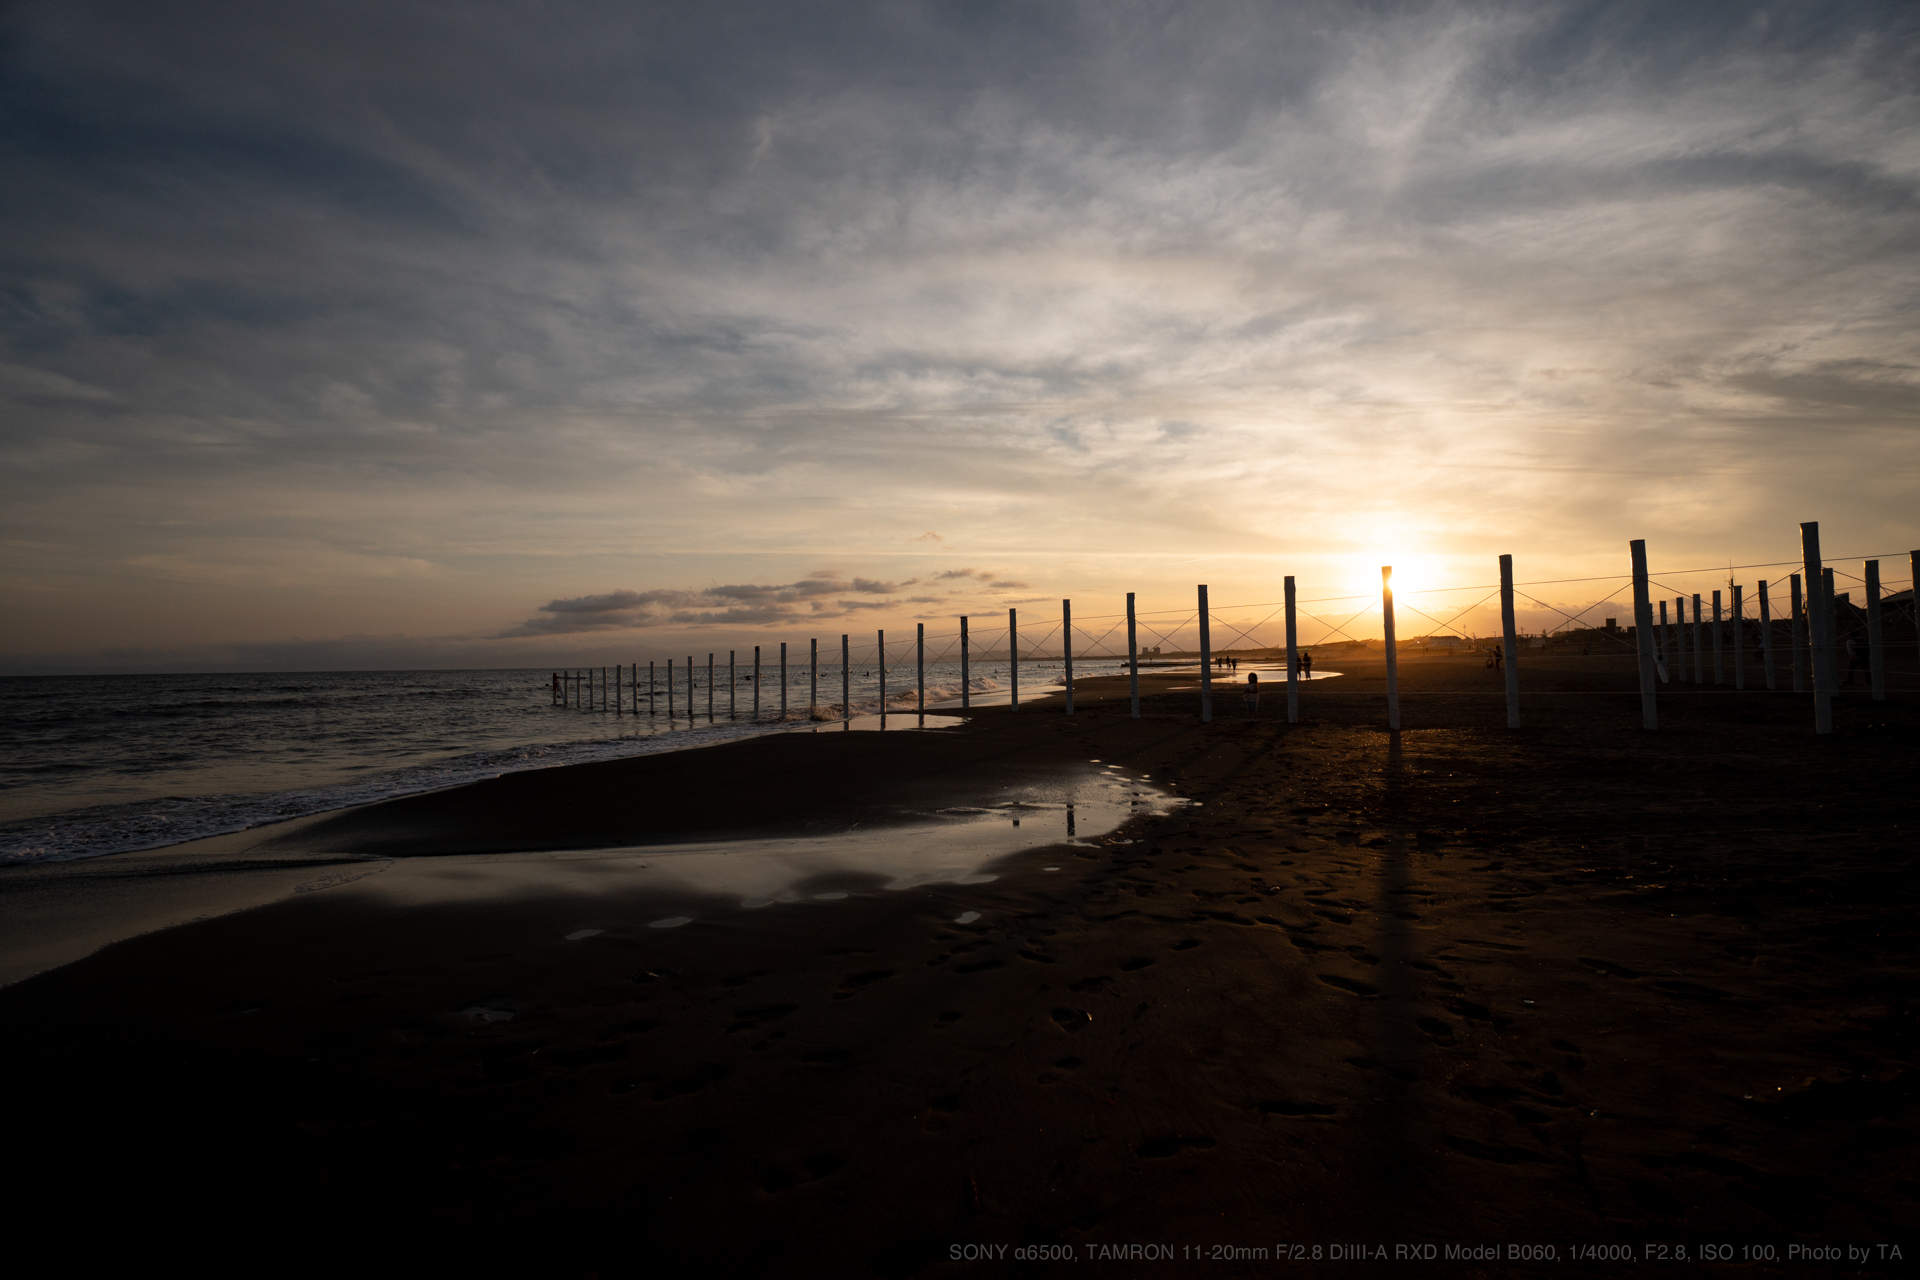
1574, 985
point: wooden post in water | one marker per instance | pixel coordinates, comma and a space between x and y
846, 681
783, 679
733, 689
756, 683
1766, 632
920, 663
1293, 654
1013, 657
880, 647
669, 692
709, 688
813, 678
1644, 637
1739, 640
1206, 659
1133, 659
966, 674
1393, 657
1066, 647
1511, 642
651, 709
689, 691
1876, 650
1819, 627
1797, 606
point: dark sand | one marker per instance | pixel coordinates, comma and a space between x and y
1571, 985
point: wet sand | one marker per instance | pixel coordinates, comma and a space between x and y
1574, 984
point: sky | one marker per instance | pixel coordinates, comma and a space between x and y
450, 335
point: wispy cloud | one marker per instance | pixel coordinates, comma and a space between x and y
668, 296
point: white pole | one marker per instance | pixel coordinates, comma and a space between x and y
1066, 647
1643, 635
1876, 651
783, 679
1013, 655
1833, 636
1133, 659
1666, 674
920, 659
966, 673
1739, 639
1820, 621
1512, 644
1719, 667
1293, 656
1699, 663
1206, 660
1766, 631
1798, 626
846, 681
1393, 658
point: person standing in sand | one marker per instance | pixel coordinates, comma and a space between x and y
1306, 664
1253, 693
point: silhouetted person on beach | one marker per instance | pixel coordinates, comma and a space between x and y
1253, 693
1856, 657
1306, 665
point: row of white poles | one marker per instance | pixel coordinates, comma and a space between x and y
1653, 644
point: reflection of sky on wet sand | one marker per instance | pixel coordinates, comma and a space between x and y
949, 846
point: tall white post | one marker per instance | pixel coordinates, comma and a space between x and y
1293, 655
813, 678
846, 681
920, 661
1766, 631
1699, 665
1719, 668
1819, 623
1831, 623
1666, 673
1013, 656
1206, 660
1393, 656
1797, 625
1643, 635
756, 682
880, 647
1511, 642
1876, 650
966, 673
1066, 647
1739, 639
1133, 659
783, 679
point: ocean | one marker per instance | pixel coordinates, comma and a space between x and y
93, 765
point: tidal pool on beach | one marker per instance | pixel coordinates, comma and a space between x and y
956, 845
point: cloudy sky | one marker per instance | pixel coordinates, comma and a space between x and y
382, 334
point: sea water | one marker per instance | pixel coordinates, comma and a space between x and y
94, 765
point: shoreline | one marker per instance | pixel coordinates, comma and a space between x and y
1458, 984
